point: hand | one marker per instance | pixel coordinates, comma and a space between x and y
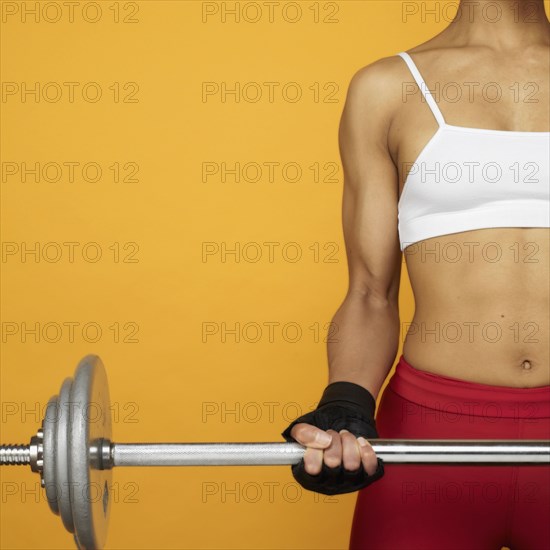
340, 464
334, 448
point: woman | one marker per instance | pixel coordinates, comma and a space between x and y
458, 181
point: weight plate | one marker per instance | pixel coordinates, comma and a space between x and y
62, 474
90, 426
49, 443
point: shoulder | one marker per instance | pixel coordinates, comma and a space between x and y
380, 80
374, 92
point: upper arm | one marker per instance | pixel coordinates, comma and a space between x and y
369, 208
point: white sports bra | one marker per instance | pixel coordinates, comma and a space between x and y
473, 178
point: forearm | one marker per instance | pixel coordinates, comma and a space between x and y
364, 345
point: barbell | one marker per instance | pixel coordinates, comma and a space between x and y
74, 454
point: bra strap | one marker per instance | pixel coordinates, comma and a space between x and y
423, 88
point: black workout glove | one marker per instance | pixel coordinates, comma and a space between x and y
343, 405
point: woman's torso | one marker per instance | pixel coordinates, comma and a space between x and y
482, 295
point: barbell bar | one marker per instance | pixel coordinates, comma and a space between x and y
74, 454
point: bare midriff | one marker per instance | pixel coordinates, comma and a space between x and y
482, 306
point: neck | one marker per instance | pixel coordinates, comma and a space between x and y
502, 24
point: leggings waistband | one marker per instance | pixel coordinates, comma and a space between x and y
436, 391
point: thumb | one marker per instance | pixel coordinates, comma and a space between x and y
311, 436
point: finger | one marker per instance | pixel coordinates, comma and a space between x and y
368, 456
333, 453
351, 452
313, 461
310, 436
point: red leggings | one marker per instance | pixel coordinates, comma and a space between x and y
453, 507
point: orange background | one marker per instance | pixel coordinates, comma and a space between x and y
153, 291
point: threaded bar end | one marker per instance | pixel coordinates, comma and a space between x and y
15, 455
